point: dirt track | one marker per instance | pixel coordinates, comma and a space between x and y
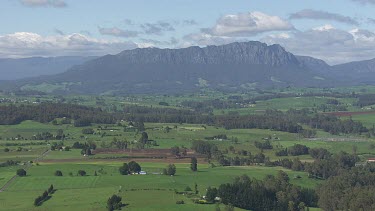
27, 166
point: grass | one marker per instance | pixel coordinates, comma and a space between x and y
90, 192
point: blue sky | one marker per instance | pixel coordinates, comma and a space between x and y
334, 30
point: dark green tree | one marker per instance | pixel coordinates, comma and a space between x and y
134, 167
171, 169
114, 203
50, 189
21, 172
124, 169
194, 164
81, 172
58, 173
211, 194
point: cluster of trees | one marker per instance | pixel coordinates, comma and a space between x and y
365, 100
170, 170
46, 112
49, 136
9, 163
263, 145
349, 190
44, 197
241, 161
178, 151
130, 168
272, 193
328, 123
86, 148
295, 150
204, 148
324, 166
270, 120
119, 144
88, 131
114, 203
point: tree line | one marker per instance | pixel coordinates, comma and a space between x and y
271, 193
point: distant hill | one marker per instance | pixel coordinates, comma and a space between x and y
11, 69
231, 67
360, 72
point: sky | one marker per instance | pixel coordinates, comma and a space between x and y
336, 31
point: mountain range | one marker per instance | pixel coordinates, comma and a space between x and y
12, 69
244, 65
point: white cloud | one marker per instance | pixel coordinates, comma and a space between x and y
26, 44
203, 39
44, 3
328, 43
247, 24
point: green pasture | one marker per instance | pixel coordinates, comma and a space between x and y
141, 192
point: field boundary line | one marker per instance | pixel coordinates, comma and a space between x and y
27, 166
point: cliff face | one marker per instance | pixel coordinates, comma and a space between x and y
234, 53
235, 66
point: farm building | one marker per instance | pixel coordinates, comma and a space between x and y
371, 160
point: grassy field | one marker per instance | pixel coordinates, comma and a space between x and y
90, 192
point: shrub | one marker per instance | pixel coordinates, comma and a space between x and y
58, 173
81, 172
21, 172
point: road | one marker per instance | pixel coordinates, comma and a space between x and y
26, 167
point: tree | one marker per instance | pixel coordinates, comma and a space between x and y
81, 172
114, 203
196, 188
211, 194
170, 170
45, 195
175, 151
134, 167
58, 173
21, 172
124, 169
50, 189
144, 138
194, 164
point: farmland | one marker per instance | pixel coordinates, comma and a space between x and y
65, 146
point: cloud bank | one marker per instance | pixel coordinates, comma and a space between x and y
328, 43
26, 44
